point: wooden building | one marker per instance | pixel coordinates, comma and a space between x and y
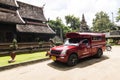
114, 36
9, 17
22, 21
35, 27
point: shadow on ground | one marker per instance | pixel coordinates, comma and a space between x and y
81, 64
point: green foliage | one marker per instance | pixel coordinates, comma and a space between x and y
101, 23
118, 17
14, 44
72, 21
115, 27
58, 26
58, 43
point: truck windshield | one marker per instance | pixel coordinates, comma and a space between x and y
72, 41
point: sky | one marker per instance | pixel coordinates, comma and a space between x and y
61, 8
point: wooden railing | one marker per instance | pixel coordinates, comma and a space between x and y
28, 45
5, 46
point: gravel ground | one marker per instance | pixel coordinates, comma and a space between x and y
105, 68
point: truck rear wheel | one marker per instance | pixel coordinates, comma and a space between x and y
72, 60
99, 53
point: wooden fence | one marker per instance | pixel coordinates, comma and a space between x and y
26, 46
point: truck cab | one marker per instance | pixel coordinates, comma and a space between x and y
77, 46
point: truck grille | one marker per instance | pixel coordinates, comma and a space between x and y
55, 52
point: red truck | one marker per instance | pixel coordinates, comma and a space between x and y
77, 46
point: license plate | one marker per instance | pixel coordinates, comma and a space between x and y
53, 58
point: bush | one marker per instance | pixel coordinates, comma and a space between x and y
14, 44
58, 43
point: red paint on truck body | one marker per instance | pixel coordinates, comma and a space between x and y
81, 44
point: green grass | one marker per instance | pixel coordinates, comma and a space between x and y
22, 58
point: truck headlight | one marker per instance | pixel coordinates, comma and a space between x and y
64, 52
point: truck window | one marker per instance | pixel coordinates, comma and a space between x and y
96, 38
85, 41
72, 41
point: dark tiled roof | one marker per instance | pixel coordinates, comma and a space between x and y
35, 29
31, 12
10, 17
115, 32
109, 35
9, 2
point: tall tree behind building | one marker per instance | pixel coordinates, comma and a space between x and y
59, 27
118, 15
101, 22
73, 22
118, 18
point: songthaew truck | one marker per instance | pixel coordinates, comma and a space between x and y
77, 46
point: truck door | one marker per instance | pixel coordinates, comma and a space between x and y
85, 48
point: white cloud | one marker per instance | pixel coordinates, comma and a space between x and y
60, 8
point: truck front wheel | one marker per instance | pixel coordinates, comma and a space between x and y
72, 60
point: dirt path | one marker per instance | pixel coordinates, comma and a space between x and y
105, 68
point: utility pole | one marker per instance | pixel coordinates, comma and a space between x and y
112, 18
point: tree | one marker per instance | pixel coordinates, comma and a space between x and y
118, 17
72, 21
101, 23
58, 26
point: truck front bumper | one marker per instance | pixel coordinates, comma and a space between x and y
59, 58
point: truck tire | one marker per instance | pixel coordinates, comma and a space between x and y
99, 53
72, 60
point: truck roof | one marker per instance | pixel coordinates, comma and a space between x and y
86, 35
